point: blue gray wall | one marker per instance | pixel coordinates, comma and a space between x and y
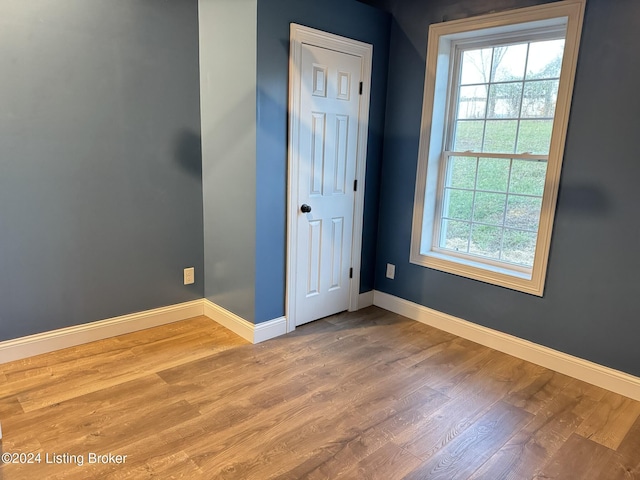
100, 169
342, 17
228, 106
591, 305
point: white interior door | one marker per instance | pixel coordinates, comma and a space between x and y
328, 141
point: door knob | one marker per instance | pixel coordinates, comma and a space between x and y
305, 208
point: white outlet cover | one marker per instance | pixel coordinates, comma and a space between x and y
391, 271
189, 276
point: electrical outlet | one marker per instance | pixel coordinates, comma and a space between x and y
189, 276
391, 271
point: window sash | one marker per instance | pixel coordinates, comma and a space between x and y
454, 84
494, 41
440, 202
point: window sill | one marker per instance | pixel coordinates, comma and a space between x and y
463, 267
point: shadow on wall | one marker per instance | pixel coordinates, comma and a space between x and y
228, 176
469, 9
584, 199
188, 152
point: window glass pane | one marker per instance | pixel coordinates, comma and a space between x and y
455, 235
485, 241
472, 102
489, 208
500, 136
462, 172
540, 98
508, 63
469, 135
457, 204
523, 212
527, 177
534, 136
476, 66
519, 247
545, 59
493, 174
504, 100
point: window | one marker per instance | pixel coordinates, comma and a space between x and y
496, 107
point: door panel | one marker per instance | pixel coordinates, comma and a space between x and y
337, 252
327, 165
314, 267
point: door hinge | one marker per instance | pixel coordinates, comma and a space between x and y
355, 185
360, 88
351, 273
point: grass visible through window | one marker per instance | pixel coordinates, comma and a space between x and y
492, 207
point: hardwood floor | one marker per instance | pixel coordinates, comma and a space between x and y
365, 395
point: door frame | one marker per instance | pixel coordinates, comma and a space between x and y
300, 35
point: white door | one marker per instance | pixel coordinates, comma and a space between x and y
328, 140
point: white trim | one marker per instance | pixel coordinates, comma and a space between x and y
247, 330
53, 340
228, 320
365, 299
601, 376
45, 342
270, 329
310, 36
436, 90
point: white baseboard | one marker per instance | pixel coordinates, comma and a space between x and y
271, 329
45, 342
593, 373
365, 299
254, 333
229, 320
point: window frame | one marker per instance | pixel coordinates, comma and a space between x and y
438, 119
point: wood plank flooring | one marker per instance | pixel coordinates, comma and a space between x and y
365, 395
